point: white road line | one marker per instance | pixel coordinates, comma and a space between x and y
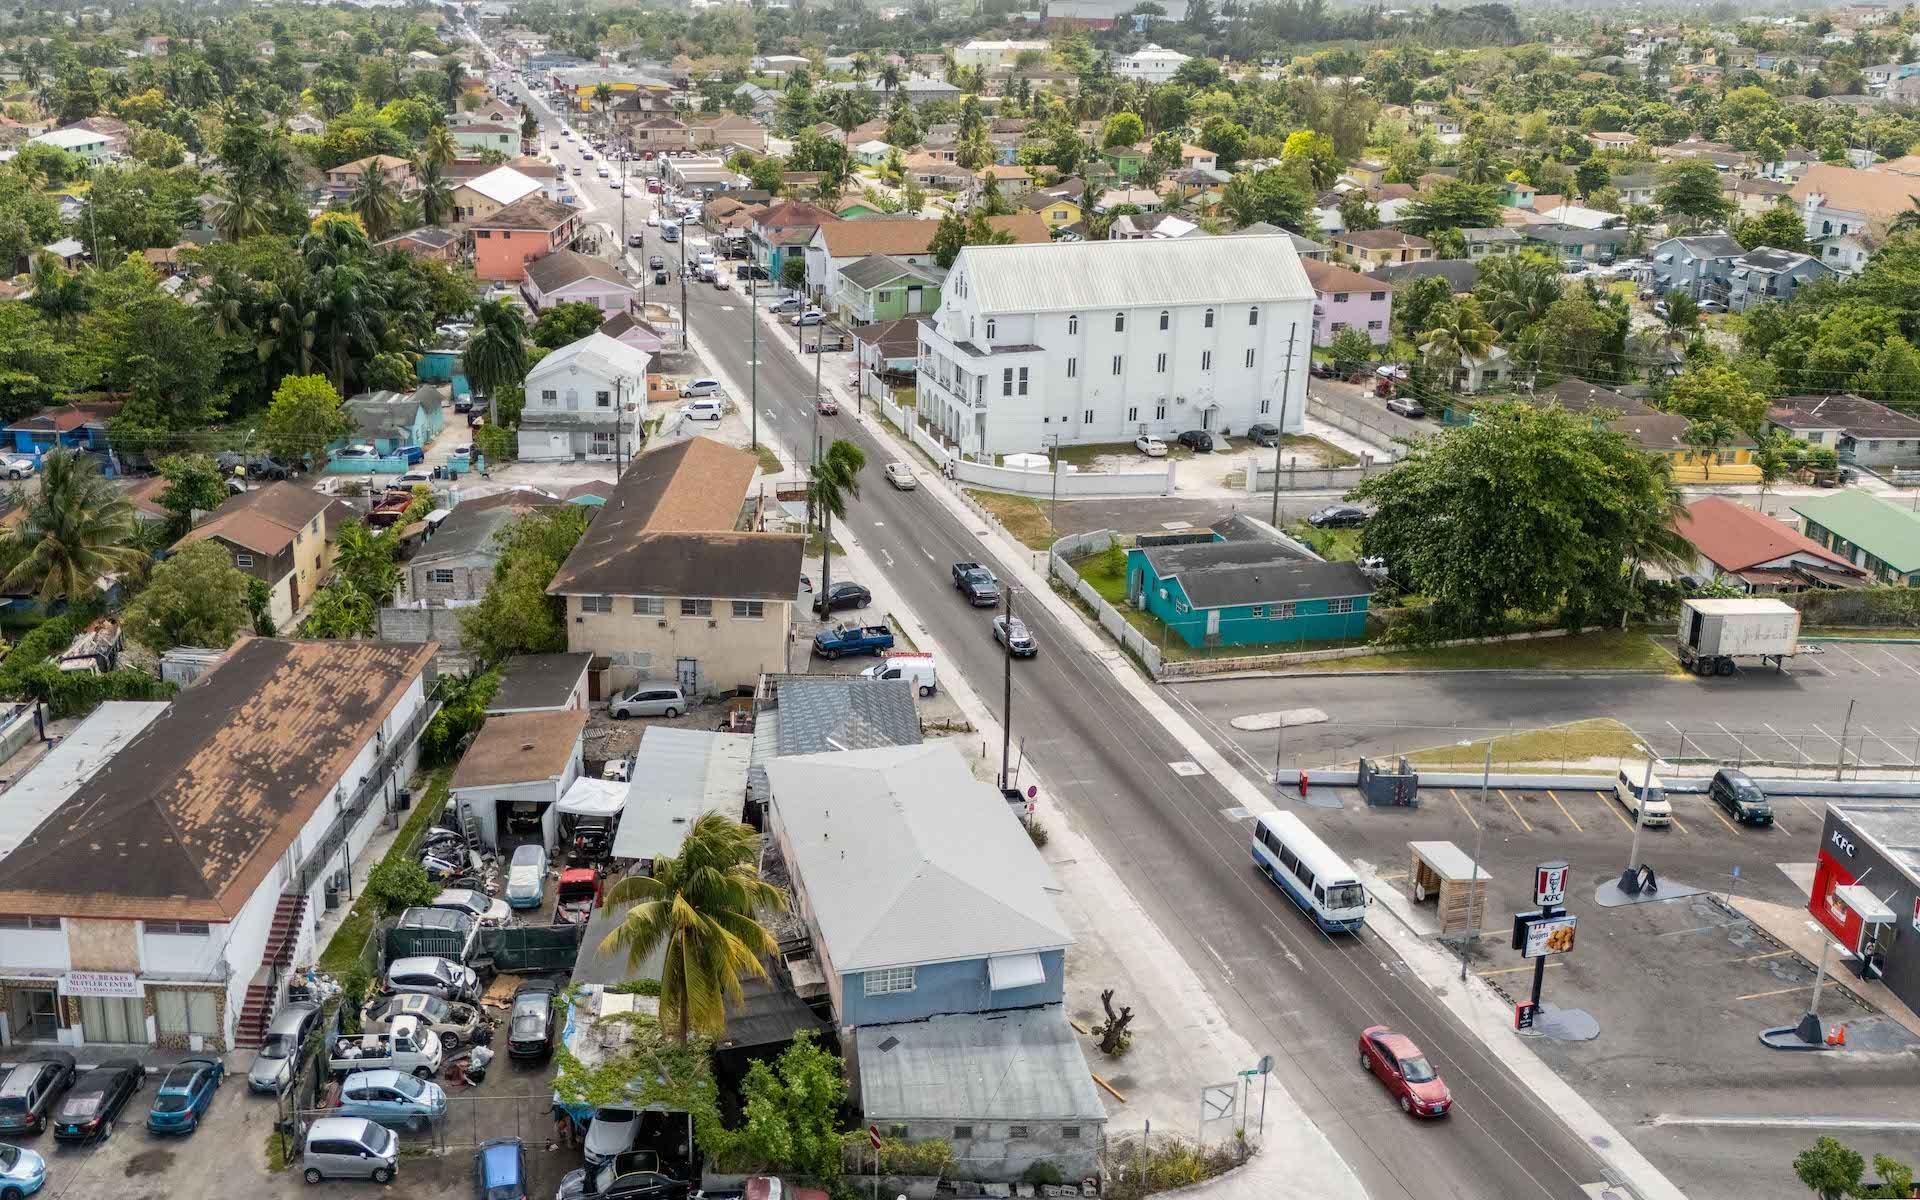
1856, 658
1844, 752
1860, 1123
1744, 748
1788, 743
1896, 658
1889, 745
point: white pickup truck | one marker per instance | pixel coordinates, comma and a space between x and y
408, 1045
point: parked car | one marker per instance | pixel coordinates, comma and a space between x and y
272, 1068
17, 466
184, 1095
359, 451
1636, 786
787, 304
500, 1170
609, 1181
527, 876
753, 271
1407, 406
454, 1023
1395, 1061
702, 386
1737, 793
811, 316
1197, 440
649, 700
852, 639
609, 1135
1263, 434
22, 1172
391, 1098
1338, 516
432, 977
90, 1106
28, 1093
1019, 642
843, 595
1152, 447
489, 912
900, 475
531, 1026
349, 1148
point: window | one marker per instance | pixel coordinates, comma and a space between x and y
26, 921
1373, 325
184, 1012
1165, 320
1073, 367
1119, 322
596, 604
1116, 364
1206, 360
749, 610
1339, 325
1023, 381
603, 399
1341, 297
695, 608
962, 1133
115, 1019
1281, 612
1006, 381
1160, 363
1133, 412
1073, 323
1259, 610
1253, 316
550, 396
889, 981
1249, 356
440, 575
1070, 1133
1160, 411
1376, 296
1343, 605
649, 606
1017, 1132
1208, 322
243, 560
991, 326
1266, 406
1086, 417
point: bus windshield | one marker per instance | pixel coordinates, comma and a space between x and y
1345, 895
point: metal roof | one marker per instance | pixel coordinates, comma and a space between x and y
61, 772
1069, 276
1018, 1065
679, 775
906, 858
844, 712
1889, 533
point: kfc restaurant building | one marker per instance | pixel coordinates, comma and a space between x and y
1866, 891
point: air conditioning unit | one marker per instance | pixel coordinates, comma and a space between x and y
663, 622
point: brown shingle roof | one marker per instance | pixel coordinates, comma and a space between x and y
563, 267
264, 519
1382, 239
1330, 277
190, 817
1877, 194
520, 748
910, 235
529, 212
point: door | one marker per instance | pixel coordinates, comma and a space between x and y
33, 1015
687, 672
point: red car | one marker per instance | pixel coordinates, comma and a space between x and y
1398, 1063
829, 407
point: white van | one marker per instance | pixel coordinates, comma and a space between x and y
1631, 783
916, 669
706, 408
602, 171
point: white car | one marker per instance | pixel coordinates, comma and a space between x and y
17, 466
653, 218
1152, 447
900, 475
699, 387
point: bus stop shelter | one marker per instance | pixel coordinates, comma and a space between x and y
1443, 873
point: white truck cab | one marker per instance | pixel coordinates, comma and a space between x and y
916, 669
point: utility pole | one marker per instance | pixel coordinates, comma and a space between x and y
753, 355
1840, 767
819, 348
621, 252
1006, 696
619, 413
1053, 460
1473, 882
686, 318
1286, 386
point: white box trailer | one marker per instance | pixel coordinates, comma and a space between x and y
1713, 633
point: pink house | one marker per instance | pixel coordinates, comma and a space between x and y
530, 228
1345, 299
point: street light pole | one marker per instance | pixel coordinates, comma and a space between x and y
1286, 386
753, 356
1053, 456
1473, 880
686, 318
1640, 815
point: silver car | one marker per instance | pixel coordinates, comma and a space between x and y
349, 1148
900, 475
272, 1067
649, 700
433, 977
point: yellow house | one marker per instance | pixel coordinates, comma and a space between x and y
281, 534
1666, 433
1055, 211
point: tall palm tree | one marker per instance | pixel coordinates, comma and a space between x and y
1655, 535
239, 211
60, 295
75, 529
1460, 332
497, 352
376, 202
701, 905
889, 80
455, 75
437, 148
436, 194
835, 477
1516, 290
849, 109
602, 101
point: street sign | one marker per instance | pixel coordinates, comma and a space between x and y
1266, 1060
873, 1135
1550, 884
1523, 1014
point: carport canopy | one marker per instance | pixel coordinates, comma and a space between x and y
594, 798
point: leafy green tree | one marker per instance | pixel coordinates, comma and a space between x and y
955, 232
364, 561
1226, 138
34, 363
240, 210
835, 477
377, 203
259, 605
1706, 435
1460, 332
793, 271
516, 616
195, 597
1779, 228
1682, 318
792, 1112
194, 484
565, 324
75, 527
1893, 377
1453, 205
497, 352
1718, 392
1689, 194
1830, 1169
1415, 303
1276, 195
1516, 290
1313, 155
700, 905
304, 418
339, 610
390, 371
1349, 349
398, 883
1123, 129
1358, 213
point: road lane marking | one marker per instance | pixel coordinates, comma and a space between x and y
1756, 957
1744, 748
1896, 658
1564, 811
1516, 812
1856, 658
1467, 812
1723, 820
1612, 805
1774, 992
1859, 1123
1511, 970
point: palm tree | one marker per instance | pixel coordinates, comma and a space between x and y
75, 529
376, 203
1655, 537
889, 80
835, 477
700, 905
1460, 333
436, 194
602, 100
1908, 221
239, 210
1517, 290
455, 74
497, 353
60, 295
1706, 436
437, 148
1775, 458
849, 109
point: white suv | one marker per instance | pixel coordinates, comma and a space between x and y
649, 700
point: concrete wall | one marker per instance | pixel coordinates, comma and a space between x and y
421, 625
1378, 435
1260, 476
951, 987
1110, 618
1076, 484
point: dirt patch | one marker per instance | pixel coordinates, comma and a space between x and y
149, 1162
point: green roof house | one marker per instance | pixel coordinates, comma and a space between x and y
1866, 531
880, 287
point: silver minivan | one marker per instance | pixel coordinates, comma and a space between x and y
349, 1148
649, 700
273, 1065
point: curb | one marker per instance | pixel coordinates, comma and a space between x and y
1867, 641
1575, 672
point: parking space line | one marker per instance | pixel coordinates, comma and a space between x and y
1744, 748
1774, 992
1896, 658
1516, 812
1757, 957
1510, 970
1564, 812
1677, 825
1782, 828
1716, 816
1889, 745
1856, 658
1788, 743
1390, 875
1811, 811
1463, 807
1607, 802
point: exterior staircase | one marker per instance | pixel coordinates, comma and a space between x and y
263, 992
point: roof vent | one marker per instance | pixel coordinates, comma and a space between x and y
526, 745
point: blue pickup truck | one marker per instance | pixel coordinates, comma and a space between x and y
852, 639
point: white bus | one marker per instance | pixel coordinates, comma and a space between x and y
1309, 872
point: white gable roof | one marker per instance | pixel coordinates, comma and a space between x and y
71, 139
504, 185
1070, 276
596, 353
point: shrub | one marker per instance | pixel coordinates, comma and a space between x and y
1038, 833
399, 883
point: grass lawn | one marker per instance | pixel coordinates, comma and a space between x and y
1024, 517
1897, 633
816, 544
1611, 648
1334, 545
1328, 453
770, 463
1107, 576
1576, 742
343, 950
905, 397
1083, 456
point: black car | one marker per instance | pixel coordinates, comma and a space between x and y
840, 596
28, 1092
530, 1027
752, 271
1338, 516
92, 1103
612, 1181
1263, 434
1197, 440
1740, 796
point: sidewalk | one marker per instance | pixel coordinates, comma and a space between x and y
1792, 928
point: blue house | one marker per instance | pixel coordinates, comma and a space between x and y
78, 426
923, 894
1250, 591
390, 420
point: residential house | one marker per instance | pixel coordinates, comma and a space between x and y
1371, 249
1057, 211
74, 426
1880, 76
281, 534
1485, 243
888, 352
1366, 172
1612, 141
717, 131
567, 277
427, 242
1880, 537
511, 778
1141, 226
485, 135
1756, 197
1574, 244
1579, 215
543, 683
1763, 274
672, 580
1460, 273
1514, 194
1346, 299
528, 229
230, 808
1701, 267
391, 420
839, 245
1838, 202
1636, 188
345, 178
1759, 554
1250, 586
455, 561
1126, 161
659, 135
634, 332
1101, 341
585, 403
1859, 430
871, 153
995, 55
92, 147
879, 288
782, 231
482, 197
1665, 434
1012, 182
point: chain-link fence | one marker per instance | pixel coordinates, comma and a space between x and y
471, 1121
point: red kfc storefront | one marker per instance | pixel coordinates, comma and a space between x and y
1875, 848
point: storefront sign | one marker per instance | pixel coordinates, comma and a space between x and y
1550, 884
1548, 935
101, 983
